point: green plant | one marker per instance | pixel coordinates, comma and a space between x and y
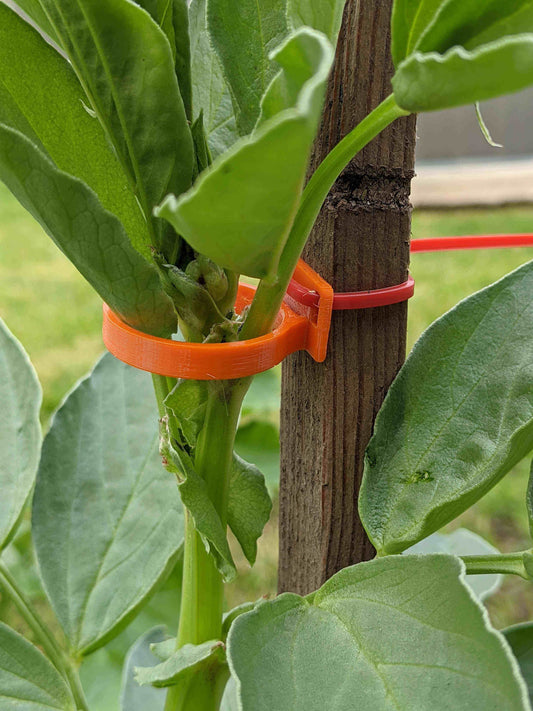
165, 150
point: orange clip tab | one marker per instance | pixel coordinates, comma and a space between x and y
298, 327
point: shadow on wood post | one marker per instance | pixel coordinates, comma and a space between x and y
360, 241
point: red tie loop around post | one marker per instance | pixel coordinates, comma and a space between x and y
303, 322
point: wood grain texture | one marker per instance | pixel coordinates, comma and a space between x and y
360, 241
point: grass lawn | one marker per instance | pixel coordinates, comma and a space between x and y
57, 316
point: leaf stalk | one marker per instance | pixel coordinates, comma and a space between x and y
505, 564
59, 658
268, 298
202, 586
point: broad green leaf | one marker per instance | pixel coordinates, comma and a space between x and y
41, 97
28, 681
322, 15
244, 33
472, 23
457, 418
195, 497
133, 696
249, 506
92, 238
438, 25
240, 211
172, 18
107, 519
35, 12
515, 19
258, 442
428, 82
20, 431
102, 673
398, 634
182, 664
409, 20
125, 63
210, 93
520, 639
462, 542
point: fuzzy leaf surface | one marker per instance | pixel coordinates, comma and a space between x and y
395, 634
240, 211
322, 15
107, 520
28, 681
210, 92
244, 33
249, 505
195, 497
93, 239
42, 98
457, 418
20, 431
134, 697
182, 664
172, 18
520, 639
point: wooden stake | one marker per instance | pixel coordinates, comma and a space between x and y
361, 241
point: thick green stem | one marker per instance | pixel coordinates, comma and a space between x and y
505, 563
63, 663
268, 298
202, 590
202, 585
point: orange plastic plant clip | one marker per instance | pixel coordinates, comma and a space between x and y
298, 327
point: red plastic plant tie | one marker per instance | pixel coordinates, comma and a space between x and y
343, 301
396, 294
298, 327
441, 244
302, 324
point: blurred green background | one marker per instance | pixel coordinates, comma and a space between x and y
57, 316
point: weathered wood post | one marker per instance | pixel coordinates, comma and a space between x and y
361, 241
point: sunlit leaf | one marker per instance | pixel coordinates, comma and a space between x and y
92, 238
28, 680
126, 66
20, 431
457, 418
210, 93
244, 33
107, 519
41, 97
395, 633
